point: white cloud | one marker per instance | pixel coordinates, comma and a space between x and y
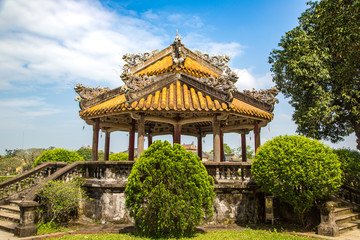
247, 80
198, 42
67, 41
19, 112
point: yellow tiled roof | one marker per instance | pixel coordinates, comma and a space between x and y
195, 68
176, 97
105, 107
244, 108
166, 65
159, 67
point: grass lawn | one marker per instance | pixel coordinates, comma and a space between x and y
247, 234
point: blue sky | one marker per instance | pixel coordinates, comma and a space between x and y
47, 47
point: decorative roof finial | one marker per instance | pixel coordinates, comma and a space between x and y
178, 37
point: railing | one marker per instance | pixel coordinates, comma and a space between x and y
28, 179
115, 172
350, 193
236, 171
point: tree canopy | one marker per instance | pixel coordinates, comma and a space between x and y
169, 191
298, 170
318, 67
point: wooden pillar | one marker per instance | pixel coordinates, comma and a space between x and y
256, 135
149, 139
132, 141
199, 146
141, 135
216, 139
177, 134
243, 147
107, 146
95, 143
222, 155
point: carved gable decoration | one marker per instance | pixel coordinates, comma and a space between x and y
141, 70
144, 74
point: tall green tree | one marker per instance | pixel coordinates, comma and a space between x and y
318, 67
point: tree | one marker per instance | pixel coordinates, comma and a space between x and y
350, 166
29, 155
227, 149
318, 67
58, 155
119, 157
169, 191
249, 152
85, 153
297, 170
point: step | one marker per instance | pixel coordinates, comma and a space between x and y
10, 208
10, 216
344, 218
7, 226
342, 211
14, 202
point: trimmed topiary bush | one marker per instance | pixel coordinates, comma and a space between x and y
297, 170
350, 166
169, 191
119, 157
58, 155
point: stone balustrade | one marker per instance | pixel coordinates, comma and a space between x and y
26, 180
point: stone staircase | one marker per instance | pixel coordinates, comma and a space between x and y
9, 216
346, 218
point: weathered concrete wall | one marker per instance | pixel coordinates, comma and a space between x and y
241, 206
231, 205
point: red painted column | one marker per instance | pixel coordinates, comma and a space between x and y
199, 145
107, 146
95, 143
222, 155
149, 139
132, 141
243, 147
177, 134
256, 135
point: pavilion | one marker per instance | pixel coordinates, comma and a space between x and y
179, 92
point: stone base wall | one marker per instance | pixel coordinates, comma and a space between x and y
106, 205
231, 205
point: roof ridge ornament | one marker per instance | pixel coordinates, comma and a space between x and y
177, 37
218, 60
264, 95
86, 93
133, 59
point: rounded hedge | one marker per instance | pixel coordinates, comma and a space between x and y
119, 157
297, 170
169, 191
350, 166
58, 155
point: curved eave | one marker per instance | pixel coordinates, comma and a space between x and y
175, 98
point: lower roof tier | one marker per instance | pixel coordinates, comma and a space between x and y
176, 98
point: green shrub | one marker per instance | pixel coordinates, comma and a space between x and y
169, 191
350, 166
297, 170
85, 153
58, 155
119, 157
59, 201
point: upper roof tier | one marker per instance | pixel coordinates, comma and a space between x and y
180, 76
212, 70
